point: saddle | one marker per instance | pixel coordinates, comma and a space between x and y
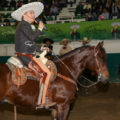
20, 73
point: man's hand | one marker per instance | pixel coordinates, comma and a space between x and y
45, 48
41, 26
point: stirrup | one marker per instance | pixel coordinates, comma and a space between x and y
39, 107
52, 104
48, 105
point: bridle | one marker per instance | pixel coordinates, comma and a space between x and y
99, 76
92, 83
97, 63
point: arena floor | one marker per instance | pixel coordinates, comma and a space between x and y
97, 104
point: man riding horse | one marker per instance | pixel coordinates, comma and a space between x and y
25, 46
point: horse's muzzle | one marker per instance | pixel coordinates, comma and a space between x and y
102, 78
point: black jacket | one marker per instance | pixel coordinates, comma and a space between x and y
25, 39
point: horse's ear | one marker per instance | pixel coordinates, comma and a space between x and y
100, 44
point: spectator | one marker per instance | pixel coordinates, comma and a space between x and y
100, 10
115, 9
48, 43
19, 3
13, 3
54, 11
101, 17
109, 9
90, 17
87, 7
74, 34
103, 3
95, 7
65, 48
7, 22
79, 9
62, 3
85, 42
71, 3
105, 14
114, 31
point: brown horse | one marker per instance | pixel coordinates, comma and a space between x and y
70, 65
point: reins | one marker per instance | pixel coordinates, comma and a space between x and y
85, 86
62, 76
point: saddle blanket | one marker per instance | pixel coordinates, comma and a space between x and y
20, 73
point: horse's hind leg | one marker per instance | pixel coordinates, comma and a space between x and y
63, 112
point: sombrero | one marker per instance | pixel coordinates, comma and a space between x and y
37, 7
115, 23
85, 39
75, 26
48, 39
65, 40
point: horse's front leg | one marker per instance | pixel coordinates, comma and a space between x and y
54, 114
62, 112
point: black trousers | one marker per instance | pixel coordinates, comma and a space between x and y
24, 59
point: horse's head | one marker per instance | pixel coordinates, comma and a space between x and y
91, 58
97, 62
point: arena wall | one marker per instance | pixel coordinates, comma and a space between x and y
111, 46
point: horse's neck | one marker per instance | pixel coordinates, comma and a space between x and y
72, 65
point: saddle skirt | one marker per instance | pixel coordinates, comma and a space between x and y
20, 73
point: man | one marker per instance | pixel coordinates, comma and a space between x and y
48, 43
75, 35
65, 48
25, 46
85, 42
79, 9
115, 31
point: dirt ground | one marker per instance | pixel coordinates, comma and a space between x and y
96, 103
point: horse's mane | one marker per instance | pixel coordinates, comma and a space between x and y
102, 50
77, 49
71, 52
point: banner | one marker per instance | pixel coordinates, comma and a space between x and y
101, 30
